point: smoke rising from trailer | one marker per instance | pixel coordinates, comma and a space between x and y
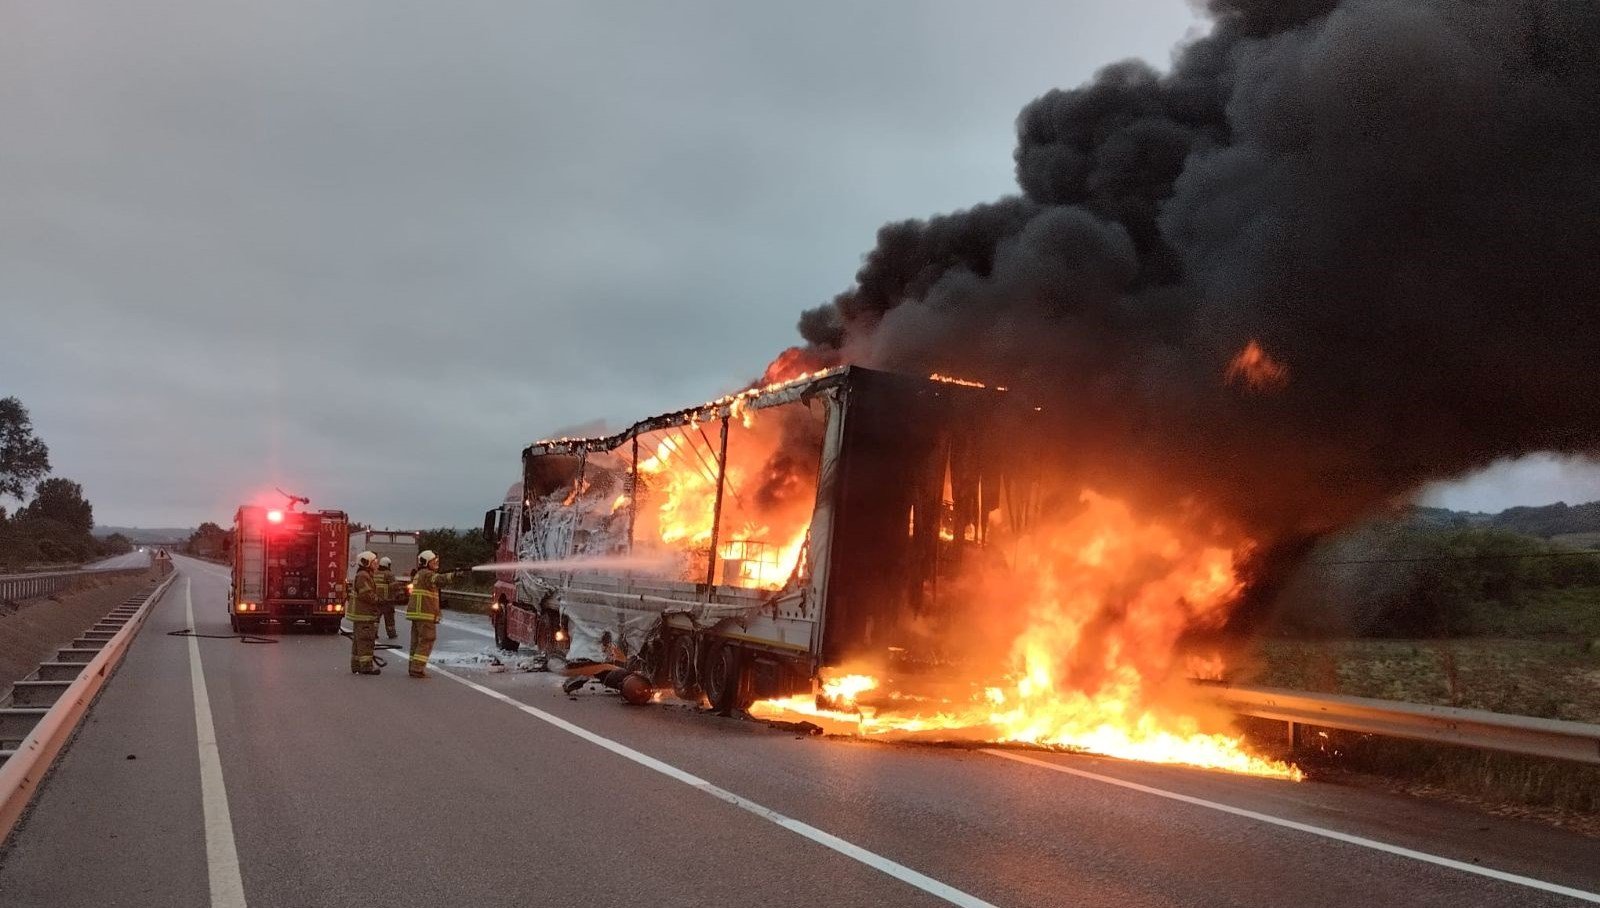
1391, 202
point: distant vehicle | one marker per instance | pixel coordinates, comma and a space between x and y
289, 567
736, 548
399, 546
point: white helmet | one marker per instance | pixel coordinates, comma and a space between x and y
384, 562
426, 557
366, 559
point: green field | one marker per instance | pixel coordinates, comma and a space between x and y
1552, 679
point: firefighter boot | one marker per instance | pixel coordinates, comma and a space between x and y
422, 637
363, 634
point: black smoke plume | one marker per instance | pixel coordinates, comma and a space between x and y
1397, 200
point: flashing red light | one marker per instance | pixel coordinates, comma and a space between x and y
275, 516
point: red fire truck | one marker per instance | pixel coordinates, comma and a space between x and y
288, 567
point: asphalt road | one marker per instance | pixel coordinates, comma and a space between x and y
133, 559
497, 789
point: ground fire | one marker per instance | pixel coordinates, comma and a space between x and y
1096, 608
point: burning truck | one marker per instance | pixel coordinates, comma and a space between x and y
863, 549
734, 549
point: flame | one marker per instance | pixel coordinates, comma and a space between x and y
1094, 661
766, 513
952, 380
1256, 370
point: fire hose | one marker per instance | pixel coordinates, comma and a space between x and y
242, 638
377, 660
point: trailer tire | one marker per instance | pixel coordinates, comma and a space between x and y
723, 678
681, 671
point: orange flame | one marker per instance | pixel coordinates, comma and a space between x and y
1094, 663
952, 380
1256, 370
760, 542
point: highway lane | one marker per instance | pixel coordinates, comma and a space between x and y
133, 559
349, 790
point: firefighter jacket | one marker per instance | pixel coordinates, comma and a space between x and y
424, 596
386, 587
364, 597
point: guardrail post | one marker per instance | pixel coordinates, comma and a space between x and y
1294, 736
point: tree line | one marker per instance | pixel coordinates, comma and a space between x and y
53, 527
1400, 579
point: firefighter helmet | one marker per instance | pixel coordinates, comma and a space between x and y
427, 556
384, 562
366, 559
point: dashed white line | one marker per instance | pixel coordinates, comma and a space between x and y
828, 840
222, 857
1333, 834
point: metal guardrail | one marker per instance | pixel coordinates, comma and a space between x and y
22, 773
464, 596
1552, 738
17, 587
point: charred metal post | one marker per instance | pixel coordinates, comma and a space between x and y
633, 492
716, 507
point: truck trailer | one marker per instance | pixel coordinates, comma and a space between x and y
289, 568
735, 549
401, 547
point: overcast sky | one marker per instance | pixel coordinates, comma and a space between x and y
368, 250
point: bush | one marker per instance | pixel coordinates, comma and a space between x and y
1404, 580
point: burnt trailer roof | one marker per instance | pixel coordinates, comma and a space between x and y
729, 405
772, 395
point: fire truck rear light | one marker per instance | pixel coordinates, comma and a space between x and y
275, 516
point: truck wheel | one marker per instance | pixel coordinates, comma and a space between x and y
233, 622
681, 669
500, 621
723, 678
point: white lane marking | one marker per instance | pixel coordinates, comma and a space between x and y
222, 857
1335, 835
855, 852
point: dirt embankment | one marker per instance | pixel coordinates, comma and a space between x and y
37, 628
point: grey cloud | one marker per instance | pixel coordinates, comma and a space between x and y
227, 227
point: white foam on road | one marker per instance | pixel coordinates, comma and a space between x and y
222, 857
850, 850
1333, 834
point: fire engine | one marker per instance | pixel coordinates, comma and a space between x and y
288, 568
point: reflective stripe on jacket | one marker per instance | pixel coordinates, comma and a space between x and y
363, 603
424, 596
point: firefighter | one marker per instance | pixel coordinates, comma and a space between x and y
362, 610
387, 588
423, 612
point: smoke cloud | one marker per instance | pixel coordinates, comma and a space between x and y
1394, 199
